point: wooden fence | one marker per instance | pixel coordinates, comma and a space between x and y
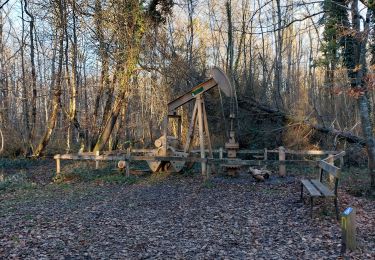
131, 155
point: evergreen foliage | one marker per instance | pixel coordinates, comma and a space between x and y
336, 36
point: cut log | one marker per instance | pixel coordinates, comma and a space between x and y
121, 165
259, 175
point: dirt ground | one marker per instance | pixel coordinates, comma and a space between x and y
175, 216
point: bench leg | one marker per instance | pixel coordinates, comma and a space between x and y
311, 207
302, 193
336, 209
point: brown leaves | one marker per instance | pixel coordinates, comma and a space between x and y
370, 81
350, 32
357, 68
351, 92
177, 217
355, 92
337, 91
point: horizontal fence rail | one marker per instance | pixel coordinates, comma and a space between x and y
131, 155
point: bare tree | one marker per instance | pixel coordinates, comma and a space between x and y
61, 24
33, 79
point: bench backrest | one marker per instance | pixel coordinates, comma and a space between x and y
327, 166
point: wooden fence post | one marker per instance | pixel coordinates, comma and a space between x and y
282, 166
348, 227
96, 161
221, 153
58, 166
127, 170
208, 169
265, 157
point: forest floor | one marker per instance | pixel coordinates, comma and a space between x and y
101, 214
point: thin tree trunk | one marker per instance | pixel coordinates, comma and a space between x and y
71, 97
33, 79
230, 47
190, 42
25, 105
279, 62
75, 79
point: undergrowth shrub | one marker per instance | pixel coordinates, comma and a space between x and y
13, 145
84, 172
356, 182
19, 163
14, 182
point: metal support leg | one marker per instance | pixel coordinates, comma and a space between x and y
302, 193
311, 207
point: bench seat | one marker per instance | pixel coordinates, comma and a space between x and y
316, 189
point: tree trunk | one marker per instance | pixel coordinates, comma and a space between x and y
57, 87
264, 89
191, 6
104, 77
359, 85
33, 79
230, 47
279, 62
25, 105
110, 124
75, 80
110, 87
367, 127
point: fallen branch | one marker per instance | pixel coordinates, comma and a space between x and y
249, 102
348, 136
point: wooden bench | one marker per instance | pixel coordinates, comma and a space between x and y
318, 188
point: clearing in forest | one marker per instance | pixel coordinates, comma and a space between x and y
172, 216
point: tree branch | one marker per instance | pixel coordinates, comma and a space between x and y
2, 5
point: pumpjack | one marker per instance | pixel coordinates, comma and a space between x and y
171, 146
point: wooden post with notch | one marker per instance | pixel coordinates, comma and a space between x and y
282, 166
348, 228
